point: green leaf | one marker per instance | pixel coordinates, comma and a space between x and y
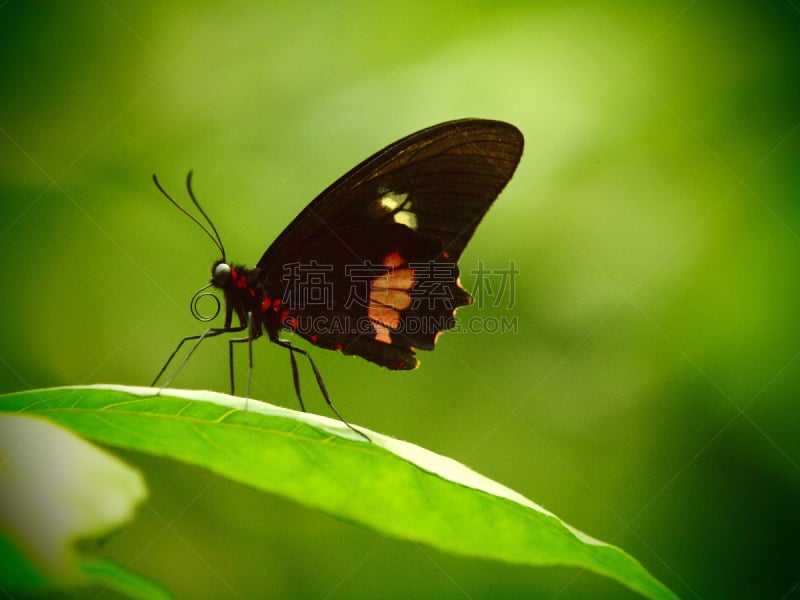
109, 575
388, 485
56, 489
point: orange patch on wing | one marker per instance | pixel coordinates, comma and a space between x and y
388, 295
399, 299
393, 259
399, 279
382, 334
385, 316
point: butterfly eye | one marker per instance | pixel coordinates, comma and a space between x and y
221, 275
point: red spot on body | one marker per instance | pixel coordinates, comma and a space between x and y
288, 320
277, 305
239, 282
445, 254
339, 346
265, 304
314, 339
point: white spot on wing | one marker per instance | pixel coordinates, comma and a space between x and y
392, 201
407, 218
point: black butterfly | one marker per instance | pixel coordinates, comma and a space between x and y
370, 266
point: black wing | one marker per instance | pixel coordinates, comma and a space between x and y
401, 218
442, 180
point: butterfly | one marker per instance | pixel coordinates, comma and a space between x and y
370, 267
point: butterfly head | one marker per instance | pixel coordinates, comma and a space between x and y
221, 274
230, 278
233, 281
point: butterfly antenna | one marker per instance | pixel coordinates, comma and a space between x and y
202, 212
214, 238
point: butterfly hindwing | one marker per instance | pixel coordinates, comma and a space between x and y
380, 292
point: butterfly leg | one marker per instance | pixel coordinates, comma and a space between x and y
249, 340
211, 332
320, 383
296, 379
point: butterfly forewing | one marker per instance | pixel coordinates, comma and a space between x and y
447, 176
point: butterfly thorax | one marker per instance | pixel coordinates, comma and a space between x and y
247, 297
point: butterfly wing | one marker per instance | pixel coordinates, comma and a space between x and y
406, 213
447, 177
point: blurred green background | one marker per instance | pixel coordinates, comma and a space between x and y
650, 396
